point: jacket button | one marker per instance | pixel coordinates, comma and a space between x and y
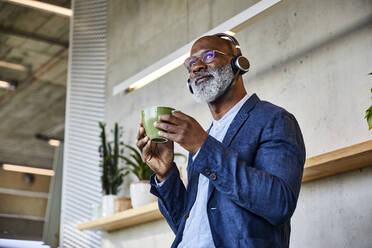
186, 216
207, 172
213, 177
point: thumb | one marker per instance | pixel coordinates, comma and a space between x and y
146, 151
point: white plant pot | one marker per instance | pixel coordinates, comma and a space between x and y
140, 193
108, 205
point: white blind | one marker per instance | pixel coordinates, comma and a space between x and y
84, 109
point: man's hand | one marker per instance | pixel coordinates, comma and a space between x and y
158, 156
182, 129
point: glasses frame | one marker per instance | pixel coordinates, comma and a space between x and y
202, 58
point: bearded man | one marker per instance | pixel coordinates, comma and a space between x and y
244, 172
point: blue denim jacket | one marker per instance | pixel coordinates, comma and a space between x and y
255, 177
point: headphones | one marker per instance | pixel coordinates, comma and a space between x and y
239, 63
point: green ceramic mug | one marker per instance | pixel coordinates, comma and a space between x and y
149, 117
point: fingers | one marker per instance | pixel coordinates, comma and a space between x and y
170, 118
146, 151
141, 131
169, 136
179, 115
142, 142
166, 127
141, 137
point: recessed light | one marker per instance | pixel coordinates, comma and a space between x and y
54, 142
11, 85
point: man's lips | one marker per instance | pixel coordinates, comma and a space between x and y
202, 79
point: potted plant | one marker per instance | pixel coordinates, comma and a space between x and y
112, 176
140, 190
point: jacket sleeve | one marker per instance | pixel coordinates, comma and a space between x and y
269, 187
171, 197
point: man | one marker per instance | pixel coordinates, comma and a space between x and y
244, 173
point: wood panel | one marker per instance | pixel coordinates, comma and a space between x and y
338, 161
131, 217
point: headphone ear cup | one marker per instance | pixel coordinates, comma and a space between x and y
241, 63
189, 85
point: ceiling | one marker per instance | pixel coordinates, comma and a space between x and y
39, 41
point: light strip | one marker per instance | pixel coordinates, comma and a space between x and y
43, 6
230, 33
13, 66
26, 169
4, 84
157, 73
175, 59
54, 142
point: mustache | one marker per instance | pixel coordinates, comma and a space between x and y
200, 75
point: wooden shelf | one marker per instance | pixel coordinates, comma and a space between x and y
342, 160
327, 164
131, 217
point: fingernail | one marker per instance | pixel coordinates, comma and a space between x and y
155, 124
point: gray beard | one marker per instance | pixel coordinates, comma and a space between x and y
210, 90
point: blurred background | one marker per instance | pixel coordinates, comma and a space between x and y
33, 77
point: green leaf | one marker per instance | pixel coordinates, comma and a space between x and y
137, 154
368, 116
125, 174
128, 161
112, 175
138, 160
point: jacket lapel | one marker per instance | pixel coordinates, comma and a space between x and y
239, 119
234, 127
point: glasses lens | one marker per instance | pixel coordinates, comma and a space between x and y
208, 56
189, 62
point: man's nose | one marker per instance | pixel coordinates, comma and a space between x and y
198, 66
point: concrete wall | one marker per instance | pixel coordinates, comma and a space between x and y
311, 57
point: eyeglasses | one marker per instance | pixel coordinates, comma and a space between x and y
206, 57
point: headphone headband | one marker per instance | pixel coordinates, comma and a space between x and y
233, 40
239, 63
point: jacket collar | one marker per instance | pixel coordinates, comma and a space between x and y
237, 122
240, 118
